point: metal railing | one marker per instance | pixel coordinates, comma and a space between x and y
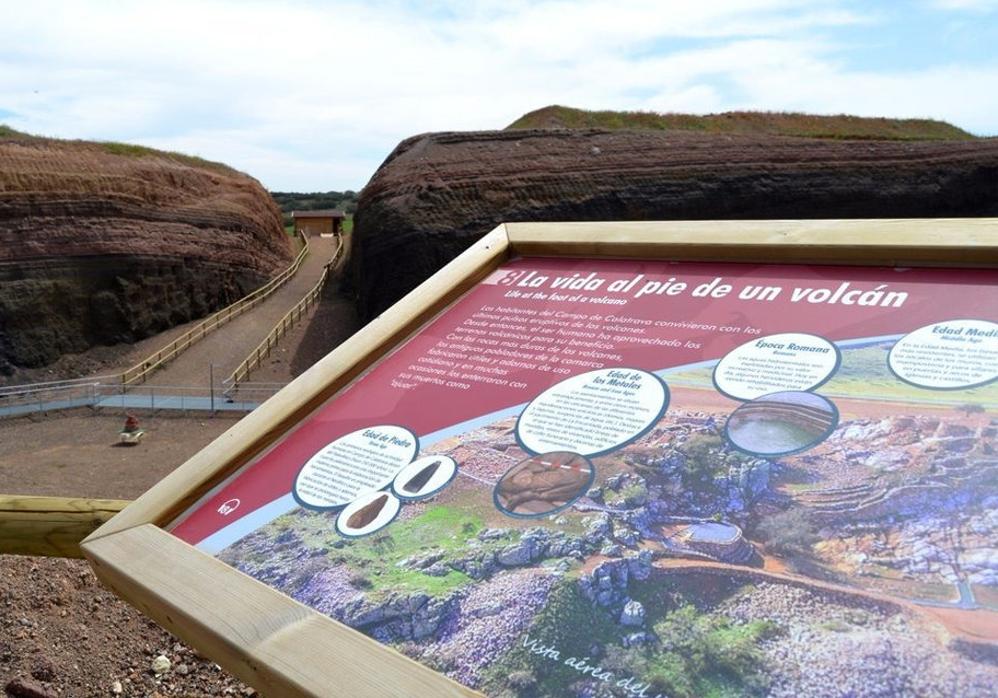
115, 395
237, 378
31, 389
140, 371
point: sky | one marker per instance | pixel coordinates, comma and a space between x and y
313, 95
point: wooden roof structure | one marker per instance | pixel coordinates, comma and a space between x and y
319, 213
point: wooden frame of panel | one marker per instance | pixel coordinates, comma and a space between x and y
284, 648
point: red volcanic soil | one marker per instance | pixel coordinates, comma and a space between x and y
61, 633
74, 198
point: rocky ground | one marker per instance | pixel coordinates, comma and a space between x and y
63, 635
824, 651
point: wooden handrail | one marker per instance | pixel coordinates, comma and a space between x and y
263, 349
140, 371
51, 526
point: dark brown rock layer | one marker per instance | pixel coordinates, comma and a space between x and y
437, 193
102, 244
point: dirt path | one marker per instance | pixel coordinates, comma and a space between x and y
75, 453
328, 325
228, 346
976, 625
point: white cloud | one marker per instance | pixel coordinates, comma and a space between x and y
314, 95
964, 5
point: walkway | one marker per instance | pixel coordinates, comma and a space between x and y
143, 398
229, 345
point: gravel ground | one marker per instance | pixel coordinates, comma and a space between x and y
76, 454
62, 634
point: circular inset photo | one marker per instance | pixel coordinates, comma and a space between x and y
424, 477
593, 413
543, 484
777, 362
361, 461
951, 355
782, 423
368, 513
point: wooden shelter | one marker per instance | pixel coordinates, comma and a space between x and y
328, 221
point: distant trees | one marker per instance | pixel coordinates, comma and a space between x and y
290, 201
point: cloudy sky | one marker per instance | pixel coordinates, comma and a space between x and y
312, 95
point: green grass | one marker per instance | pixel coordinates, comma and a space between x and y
864, 372
132, 150
840, 126
7, 133
699, 653
568, 622
122, 149
374, 559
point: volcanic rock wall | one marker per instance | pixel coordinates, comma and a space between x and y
439, 192
101, 243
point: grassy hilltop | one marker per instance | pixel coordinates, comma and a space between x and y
840, 126
8, 134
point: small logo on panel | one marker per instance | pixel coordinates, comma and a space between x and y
228, 507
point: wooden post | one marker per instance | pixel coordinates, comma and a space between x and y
51, 526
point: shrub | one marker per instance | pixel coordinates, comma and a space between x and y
789, 532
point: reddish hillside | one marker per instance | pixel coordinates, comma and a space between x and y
436, 193
103, 243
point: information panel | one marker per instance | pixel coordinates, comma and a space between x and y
620, 478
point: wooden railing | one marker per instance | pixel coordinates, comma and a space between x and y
283, 326
51, 526
140, 371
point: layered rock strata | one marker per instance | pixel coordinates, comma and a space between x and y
437, 193
104, 243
